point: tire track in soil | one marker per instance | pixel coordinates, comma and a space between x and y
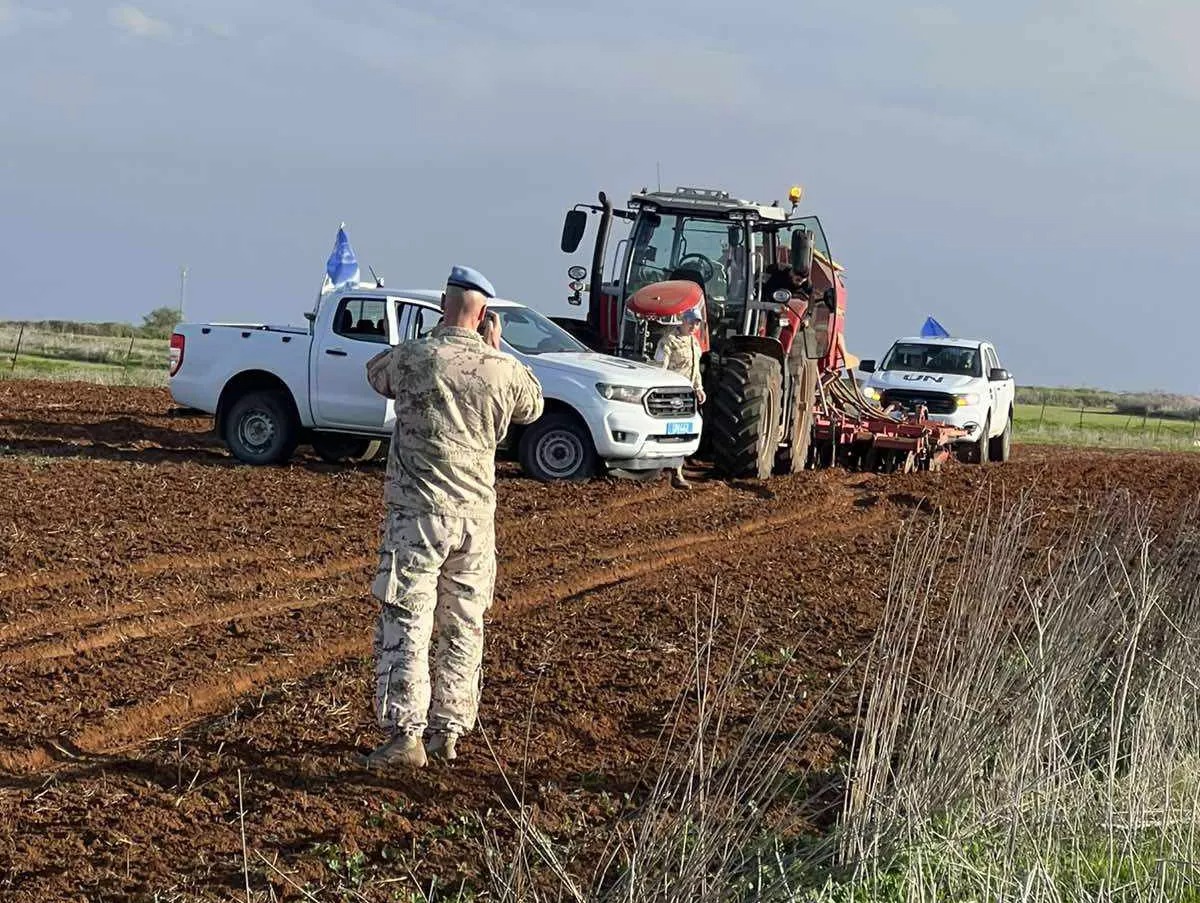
151, 566
672, 551
144, 722
56, 622
160, 565
656, 517
233, 612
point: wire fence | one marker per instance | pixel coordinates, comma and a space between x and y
31, 352
1115, 425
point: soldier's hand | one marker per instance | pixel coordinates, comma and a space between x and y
700, 396
491, 329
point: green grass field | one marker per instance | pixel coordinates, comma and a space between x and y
1050, 425
108, 360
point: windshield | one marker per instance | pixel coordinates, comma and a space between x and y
530, 333
930, 358
665, 246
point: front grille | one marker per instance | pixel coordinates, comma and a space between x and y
936, 402
671, 402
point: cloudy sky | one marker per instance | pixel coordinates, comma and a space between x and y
1025, 171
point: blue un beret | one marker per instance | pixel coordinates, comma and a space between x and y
465, 277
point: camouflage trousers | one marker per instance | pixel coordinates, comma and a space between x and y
433, 572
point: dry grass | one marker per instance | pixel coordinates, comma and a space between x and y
1036, 740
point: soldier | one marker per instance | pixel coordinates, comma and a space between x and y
679, 351
455, 394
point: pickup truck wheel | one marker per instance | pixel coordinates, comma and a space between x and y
339, 448
557, 447
261, 428
977, 452
1001, 447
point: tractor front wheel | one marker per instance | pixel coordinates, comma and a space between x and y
793, 457
744, 416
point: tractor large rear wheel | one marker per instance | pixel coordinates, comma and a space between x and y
744, 416
793, 457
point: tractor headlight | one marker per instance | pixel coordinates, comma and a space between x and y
966, 400
631, 394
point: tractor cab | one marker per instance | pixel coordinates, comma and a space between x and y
704, 250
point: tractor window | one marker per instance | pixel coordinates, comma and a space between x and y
809, 224
664, 246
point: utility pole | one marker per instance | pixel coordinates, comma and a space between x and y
182, 288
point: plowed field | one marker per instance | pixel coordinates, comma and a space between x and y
171, 621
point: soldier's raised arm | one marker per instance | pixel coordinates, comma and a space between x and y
528, 402
379, 373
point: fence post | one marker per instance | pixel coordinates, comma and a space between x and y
1195, 416
1081, 416
20, 334
1042, 416
125, 369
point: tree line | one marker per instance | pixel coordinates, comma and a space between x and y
157, 324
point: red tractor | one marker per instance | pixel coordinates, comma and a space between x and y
771, 301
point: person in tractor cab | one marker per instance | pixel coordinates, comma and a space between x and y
679, 351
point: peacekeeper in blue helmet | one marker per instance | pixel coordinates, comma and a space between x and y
455, 395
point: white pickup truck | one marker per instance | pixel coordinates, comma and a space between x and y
958, 381
272, 387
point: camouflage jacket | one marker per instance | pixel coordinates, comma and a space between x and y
455, 397
680, 353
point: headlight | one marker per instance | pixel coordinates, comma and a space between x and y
870, 393
631, 394
964, 400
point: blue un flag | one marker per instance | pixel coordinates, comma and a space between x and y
342, 266
933, 330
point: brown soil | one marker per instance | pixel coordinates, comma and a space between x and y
170, 619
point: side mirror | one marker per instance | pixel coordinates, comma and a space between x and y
802, 253
573, 228
866, 366
998, 375
830, 299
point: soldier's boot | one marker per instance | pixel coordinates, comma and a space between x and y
402, 749
441, 746
678, 481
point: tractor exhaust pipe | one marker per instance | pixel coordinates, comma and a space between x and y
594, 289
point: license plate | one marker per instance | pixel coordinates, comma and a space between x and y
682, 428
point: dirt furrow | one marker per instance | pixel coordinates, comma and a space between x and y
156, 718
54, 621
658, 557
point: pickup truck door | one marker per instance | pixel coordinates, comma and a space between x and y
995, 390
1006, 392
342, 397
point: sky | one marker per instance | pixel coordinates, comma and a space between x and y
1026, 172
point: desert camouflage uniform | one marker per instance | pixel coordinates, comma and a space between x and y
455, 397
680, 354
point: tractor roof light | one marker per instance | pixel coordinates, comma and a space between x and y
795, 194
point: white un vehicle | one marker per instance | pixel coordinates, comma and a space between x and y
272, 387
959, 381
